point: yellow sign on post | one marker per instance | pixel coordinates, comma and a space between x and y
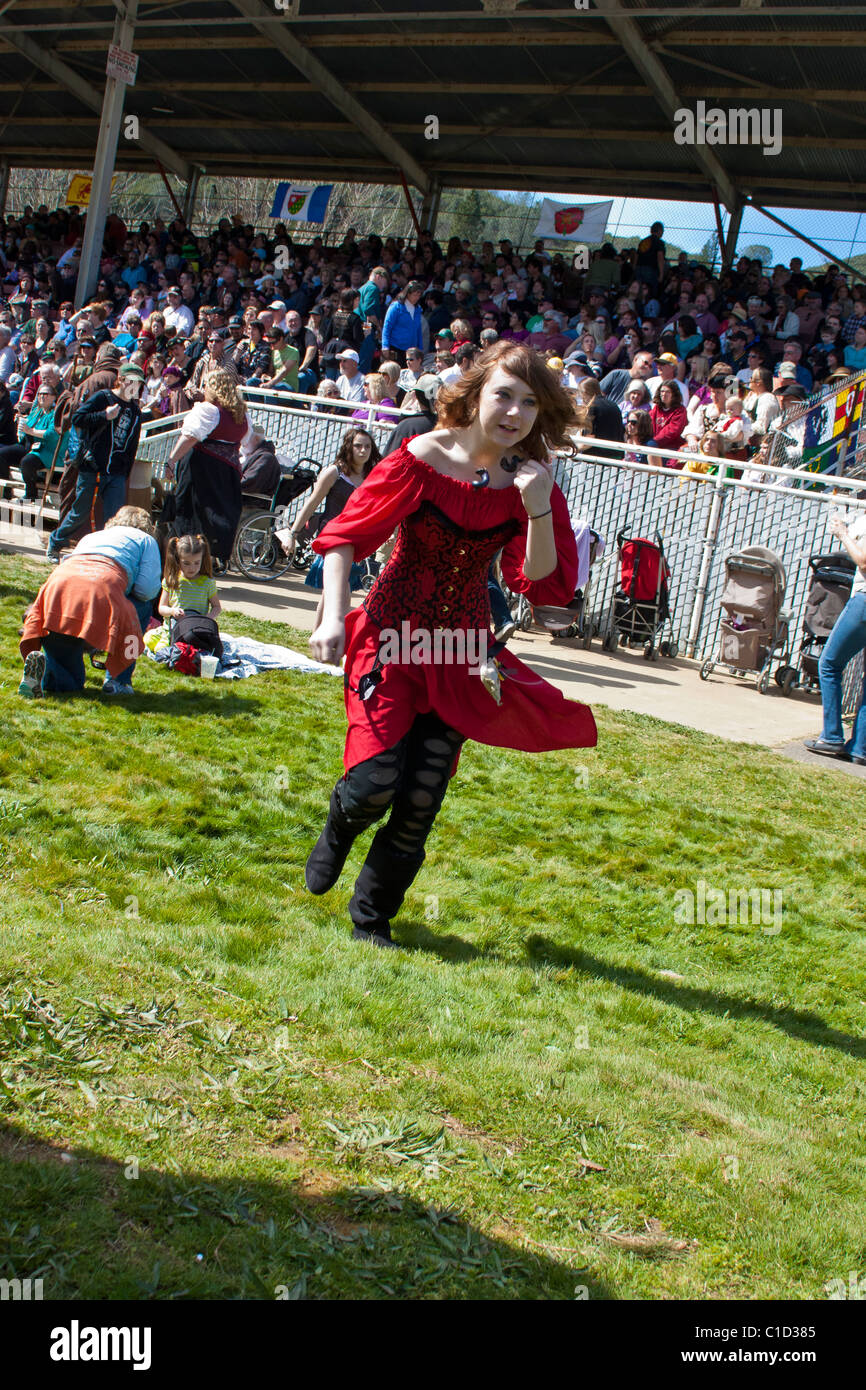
79, 189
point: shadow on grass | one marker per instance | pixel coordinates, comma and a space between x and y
200, 700
798, 1023
92, 1227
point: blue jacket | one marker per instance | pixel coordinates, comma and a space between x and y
402, 327
135, 551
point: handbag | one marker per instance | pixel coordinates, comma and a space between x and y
199, 631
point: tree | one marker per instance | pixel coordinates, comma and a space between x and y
764, 254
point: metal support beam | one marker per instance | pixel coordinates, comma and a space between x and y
836, 260
4, 184
191, 195
430, 206
720, 232
655, 74
89, 96
301, 58
731, 238
103, 162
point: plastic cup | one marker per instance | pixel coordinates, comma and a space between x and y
209, 666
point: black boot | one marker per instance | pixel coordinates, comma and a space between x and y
380, 889
331, 850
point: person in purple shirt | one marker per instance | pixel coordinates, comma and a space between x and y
551, 337
706, 322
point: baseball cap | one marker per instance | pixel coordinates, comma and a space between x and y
445, 333
555, 364
87, 342
667, 357
173, 289
236, 319
791, 392
352, 356
465, 283
130, 369
278, 304
427, 385
787, 369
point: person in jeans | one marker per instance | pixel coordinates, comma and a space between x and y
107, 426
845, 641
100, 599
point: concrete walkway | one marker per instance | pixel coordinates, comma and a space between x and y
726, 706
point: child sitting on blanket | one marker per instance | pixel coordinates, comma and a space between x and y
188, 585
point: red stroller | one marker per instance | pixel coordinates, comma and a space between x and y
641, 606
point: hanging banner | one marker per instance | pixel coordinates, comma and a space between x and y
830, 430
294, 202
573, 221
79, 189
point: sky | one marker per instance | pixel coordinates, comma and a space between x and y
690, 224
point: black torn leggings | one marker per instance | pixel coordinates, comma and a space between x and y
411, 779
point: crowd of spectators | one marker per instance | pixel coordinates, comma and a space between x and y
658, 351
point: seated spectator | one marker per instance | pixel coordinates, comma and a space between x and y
669, 419
516, 332
169, 398
462, 359
697, 372
636, 399
253, 355
375, 394
351, 381
688, 339
327, 392
760, 404
668, 370
854, 355
602, 418
706, 417
638, 432
791, 365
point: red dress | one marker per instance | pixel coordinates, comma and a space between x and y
436, 577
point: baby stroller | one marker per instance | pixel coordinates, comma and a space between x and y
754, 628
641, 605
573, 620
829, 590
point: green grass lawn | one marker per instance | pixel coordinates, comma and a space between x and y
208, 1090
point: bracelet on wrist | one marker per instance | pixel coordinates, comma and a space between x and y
539, 514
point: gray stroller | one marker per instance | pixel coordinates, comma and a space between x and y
754, 627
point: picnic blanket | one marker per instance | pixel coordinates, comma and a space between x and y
251, 657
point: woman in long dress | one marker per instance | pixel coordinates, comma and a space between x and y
208, 493
479, 483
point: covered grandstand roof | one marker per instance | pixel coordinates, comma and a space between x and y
528, 94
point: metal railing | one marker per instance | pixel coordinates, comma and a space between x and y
701, 519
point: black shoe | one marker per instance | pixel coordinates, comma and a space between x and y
376, 938
827, 750
331, 850
855, 758
381, 887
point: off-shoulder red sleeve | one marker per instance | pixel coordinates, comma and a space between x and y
558, 588
392, 491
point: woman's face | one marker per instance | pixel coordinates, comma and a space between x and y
666, 396
588, 343
634, 396
507, 408
361, 446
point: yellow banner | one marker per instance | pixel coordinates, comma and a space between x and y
79, 189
